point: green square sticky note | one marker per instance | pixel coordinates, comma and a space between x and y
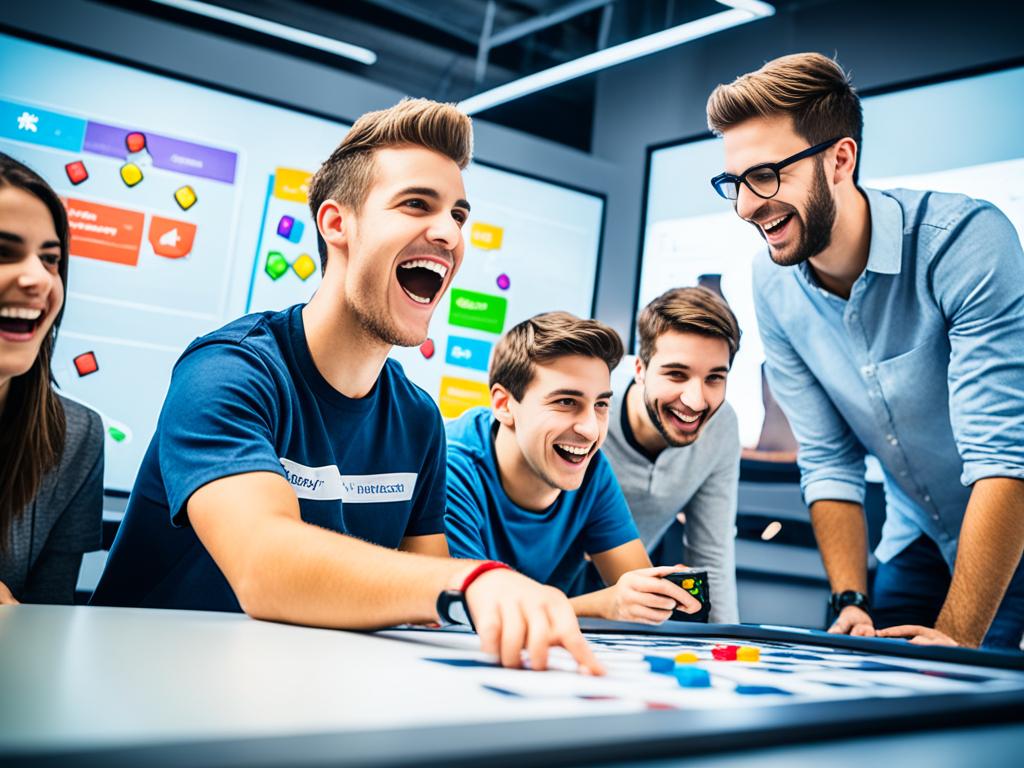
481, 311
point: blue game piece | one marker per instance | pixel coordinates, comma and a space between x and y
660, 664
692, 677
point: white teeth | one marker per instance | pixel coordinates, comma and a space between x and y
20, 313
773, 224
575, 450
682, 417
433, 266
414, 297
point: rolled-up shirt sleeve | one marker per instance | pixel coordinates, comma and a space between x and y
979, 283
830, 457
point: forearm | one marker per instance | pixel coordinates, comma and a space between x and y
841, 532
991, 543
593, 605
339, 581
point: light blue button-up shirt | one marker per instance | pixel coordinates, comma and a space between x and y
923, 366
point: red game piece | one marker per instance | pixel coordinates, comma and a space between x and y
86, 363
427, 348
724, 652
135, 141
76, 172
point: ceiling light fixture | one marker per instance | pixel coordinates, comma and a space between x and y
740, 12
272, 28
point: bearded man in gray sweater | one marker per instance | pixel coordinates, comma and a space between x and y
673, 441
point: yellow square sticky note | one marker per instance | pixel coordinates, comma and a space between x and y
304, 266
459, 395
185, 197
292, 184
131, 174
486, 236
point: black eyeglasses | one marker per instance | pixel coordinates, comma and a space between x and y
763, 180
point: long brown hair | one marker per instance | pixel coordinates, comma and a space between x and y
32, 424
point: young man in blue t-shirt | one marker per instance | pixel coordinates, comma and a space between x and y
528, 485
292, 457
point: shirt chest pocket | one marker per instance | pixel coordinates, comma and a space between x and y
915, 393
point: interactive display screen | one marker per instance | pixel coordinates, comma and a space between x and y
187, 208
957, 136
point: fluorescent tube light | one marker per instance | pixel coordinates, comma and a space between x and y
272, 28
740, 12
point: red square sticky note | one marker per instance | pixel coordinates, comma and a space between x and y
76, 172
86, 363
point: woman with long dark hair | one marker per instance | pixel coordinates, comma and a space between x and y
51, 448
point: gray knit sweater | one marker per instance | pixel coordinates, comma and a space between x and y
63, 521
700, 480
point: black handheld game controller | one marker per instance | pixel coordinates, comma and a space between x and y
696, 583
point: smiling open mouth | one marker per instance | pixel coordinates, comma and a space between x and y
19, 320
575, 454
421, 279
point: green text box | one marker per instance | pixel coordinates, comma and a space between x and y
481, 311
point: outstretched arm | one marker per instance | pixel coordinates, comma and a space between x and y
283, 569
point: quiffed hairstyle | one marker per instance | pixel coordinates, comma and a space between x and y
32, 424
687, 310
547, 337
811, 88
347, 175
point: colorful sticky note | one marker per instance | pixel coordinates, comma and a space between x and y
486, 236
135, 141
131, 174
459, 395
276, 265
76, 172
185, 197
304, 266
85, 363
481, 311
170, 238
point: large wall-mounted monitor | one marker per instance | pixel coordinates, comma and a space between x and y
963, 135
188, 208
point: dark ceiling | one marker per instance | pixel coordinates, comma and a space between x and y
433, 48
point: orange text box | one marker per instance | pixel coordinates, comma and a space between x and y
104, 232
459, 395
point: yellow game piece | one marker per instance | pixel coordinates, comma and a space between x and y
131, 174
687, 583
687, 658
748, 653
304, 266
185, 197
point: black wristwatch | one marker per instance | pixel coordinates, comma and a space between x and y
452, 608
840, 600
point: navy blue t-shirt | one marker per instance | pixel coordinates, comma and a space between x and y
248, 398
549, 545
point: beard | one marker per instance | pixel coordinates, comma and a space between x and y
654, 413
378, 323
815, 226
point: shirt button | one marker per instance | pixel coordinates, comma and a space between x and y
868, 370
892, 440
927, 497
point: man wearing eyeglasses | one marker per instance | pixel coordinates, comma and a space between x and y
892, 324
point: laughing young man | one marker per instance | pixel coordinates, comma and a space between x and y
674, 442
528, 485
892, 324
293, 458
